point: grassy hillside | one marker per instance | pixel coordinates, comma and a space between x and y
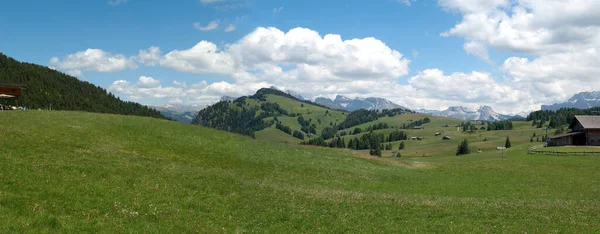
46, 88
432, 145
74, 172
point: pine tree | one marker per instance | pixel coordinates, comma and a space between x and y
531, 140
401, 145
463, 148
507, 144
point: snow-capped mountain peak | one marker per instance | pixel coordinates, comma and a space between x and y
370, 103
583, 100
174, 107
485, 113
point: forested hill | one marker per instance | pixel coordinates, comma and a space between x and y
275, 115
45, 88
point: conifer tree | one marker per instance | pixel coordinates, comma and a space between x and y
463, 148
507, 144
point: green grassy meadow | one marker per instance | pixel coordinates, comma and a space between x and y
85, 172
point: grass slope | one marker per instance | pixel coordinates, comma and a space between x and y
432, 145
83, 172
309, 112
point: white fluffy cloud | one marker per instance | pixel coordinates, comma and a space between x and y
325, 65
300, 55
299, 59
93, 60
556, 77
149, 57
204, 57
147, 88
528, 26
562, 39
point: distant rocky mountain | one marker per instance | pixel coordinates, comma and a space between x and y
290, 92
583, 100
459, 112
345, 103
296, 95
179, 112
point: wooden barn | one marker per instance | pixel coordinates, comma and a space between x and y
585, 130
14, 90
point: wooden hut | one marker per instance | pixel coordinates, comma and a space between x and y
585, 130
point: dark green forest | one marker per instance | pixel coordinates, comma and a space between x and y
46, 88
241, 120
559, 118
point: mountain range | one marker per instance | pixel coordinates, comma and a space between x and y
583, 100
484, 113
348, 104
179, 112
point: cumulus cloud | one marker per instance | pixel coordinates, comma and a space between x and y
477, 49
300, 59
556, 76
528, 26
147, 88
149, 57
204, 57
561, 39
93, 60
326, 65
210, 26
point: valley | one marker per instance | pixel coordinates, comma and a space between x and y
98, 172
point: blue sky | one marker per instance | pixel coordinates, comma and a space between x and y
445, 48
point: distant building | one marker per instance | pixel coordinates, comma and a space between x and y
446, 138
417, 127
437, 134
15, 90
585, 130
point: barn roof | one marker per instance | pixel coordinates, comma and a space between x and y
11, 85
587, 121
565, 135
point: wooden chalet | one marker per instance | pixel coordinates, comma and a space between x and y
585, 130
15, 90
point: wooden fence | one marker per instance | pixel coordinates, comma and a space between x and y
542, 149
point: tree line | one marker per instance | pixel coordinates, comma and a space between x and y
559, 118
46, 88
371, 141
